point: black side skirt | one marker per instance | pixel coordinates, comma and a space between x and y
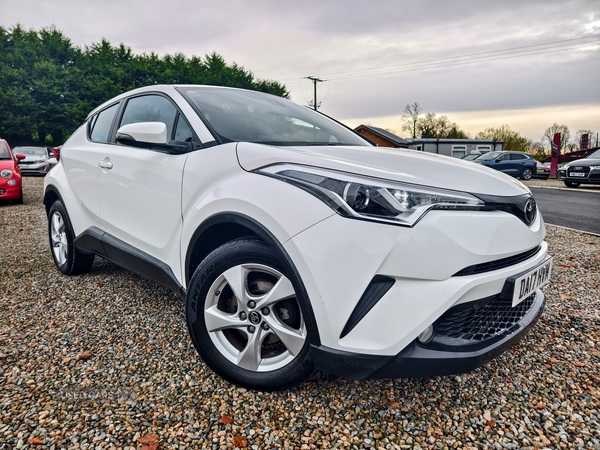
94, 240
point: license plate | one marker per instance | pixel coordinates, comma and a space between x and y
577, 174
526, 284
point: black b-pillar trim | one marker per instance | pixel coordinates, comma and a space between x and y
94, 240
376, 289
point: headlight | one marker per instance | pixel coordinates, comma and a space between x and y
371, 198
6, 173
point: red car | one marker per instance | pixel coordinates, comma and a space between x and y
11, 187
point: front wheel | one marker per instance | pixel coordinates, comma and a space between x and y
526, 174
571, 184
68, 259
245, 319
19, 201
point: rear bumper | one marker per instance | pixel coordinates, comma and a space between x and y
418, 360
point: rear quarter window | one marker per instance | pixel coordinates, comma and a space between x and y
100, 124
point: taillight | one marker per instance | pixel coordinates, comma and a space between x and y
56, 152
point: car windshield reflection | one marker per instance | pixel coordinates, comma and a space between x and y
246, 116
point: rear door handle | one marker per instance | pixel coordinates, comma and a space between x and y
105, 164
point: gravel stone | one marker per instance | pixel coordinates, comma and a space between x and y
145, 377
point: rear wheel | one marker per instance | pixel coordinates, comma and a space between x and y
571, 184
245, 319
526, 174
67, 258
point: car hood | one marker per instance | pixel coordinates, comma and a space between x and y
584, 162
408, 166
35, 158
7, 164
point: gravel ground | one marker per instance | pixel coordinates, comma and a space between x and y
103, 361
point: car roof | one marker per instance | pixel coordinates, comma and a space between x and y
165, 88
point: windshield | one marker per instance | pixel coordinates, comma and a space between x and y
595, 155
4, 154
30, 151
249, 116
488, 156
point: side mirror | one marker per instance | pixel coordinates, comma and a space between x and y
142, 134
52, 160
150, 135
20, 156
498, 160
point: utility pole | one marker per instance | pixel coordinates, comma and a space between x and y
315, 80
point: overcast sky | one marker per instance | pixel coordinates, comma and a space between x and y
373, 52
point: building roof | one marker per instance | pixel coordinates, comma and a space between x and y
384, 134
452, 141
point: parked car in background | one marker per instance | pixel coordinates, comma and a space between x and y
471, 157
541, 171
56, 152
547, 164
517, 164
295, 243
36, 160
11, 187
581, 171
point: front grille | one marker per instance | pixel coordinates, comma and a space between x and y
579, 169
497, 264
472, 324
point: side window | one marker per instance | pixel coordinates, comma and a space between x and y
516, 156
504, 157
183, 132
100, 124
150, 108
459, 151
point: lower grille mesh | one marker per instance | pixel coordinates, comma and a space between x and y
482, 321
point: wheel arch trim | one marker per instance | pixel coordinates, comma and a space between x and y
264, 234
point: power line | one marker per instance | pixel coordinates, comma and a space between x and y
589, 41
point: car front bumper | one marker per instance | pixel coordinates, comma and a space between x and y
341, 260
434, 358
8, 192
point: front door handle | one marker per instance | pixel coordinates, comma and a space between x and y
105, 164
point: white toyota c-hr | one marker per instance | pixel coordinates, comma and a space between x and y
295, 243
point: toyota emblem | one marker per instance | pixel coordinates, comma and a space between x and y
530, 211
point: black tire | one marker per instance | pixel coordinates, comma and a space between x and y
68, 259
227, 350
526, 174
571, 184
19, 201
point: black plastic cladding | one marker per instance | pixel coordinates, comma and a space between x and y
497, 264
515, 205
480, 323
376, 289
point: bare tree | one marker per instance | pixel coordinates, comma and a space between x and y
410, 118
565, 135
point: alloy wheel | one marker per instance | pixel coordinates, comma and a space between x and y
58, 235
253, 318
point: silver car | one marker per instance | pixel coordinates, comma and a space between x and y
35, 162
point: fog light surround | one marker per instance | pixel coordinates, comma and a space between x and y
426, 335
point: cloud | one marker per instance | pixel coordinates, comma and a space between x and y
362, 47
